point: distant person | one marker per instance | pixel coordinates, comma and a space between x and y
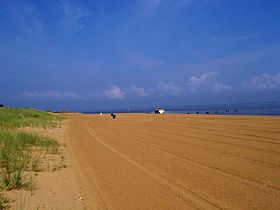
113, 115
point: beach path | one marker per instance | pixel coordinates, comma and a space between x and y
146, 161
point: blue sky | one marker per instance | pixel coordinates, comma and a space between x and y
91, 55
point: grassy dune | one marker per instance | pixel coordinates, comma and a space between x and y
14, 118
21, 153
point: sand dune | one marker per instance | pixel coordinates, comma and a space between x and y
144, 161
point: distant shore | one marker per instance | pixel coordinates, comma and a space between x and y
254, 109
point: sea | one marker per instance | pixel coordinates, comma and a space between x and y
257, 109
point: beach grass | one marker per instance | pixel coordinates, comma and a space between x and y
22, 152
14, 118
17, 157
4, 202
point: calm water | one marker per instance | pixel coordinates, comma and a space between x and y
267, 109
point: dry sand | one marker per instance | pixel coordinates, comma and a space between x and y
145, 161
52, 189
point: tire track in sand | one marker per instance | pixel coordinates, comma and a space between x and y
245, 180
196, 200
229, 129
97, 202
265, 163
216, 141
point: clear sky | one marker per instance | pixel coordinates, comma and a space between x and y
90, 55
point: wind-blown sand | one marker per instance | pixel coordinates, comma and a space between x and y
145, 161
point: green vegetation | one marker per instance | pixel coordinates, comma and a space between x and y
14, 118
21, 153
4, 202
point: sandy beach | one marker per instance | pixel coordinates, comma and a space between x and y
195, 86
145, 161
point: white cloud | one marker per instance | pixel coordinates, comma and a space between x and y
263, 82
219, 87
74, 11
200, 80
50, 95
114, 92
72, 14
157, 3
206, 82
138, 91
169, 88
152, 3
23, 17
